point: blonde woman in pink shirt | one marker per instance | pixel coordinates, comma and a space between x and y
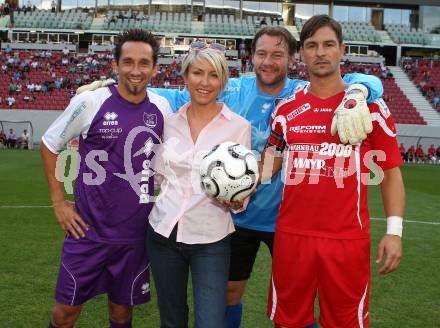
189, 232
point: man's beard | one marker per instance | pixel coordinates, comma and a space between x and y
134, 90
276, 81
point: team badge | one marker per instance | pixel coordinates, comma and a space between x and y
350, 103
150, 120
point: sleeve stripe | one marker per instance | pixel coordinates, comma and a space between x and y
379, 119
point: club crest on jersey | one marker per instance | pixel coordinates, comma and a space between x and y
110, 118
350, 103
150, 120
301, 109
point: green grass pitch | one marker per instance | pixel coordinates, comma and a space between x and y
30, 244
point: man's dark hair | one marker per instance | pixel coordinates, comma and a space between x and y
279, 32
137, 35
314, 23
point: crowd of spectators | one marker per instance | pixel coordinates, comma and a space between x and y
27, 7
12, 141
26, 77
30, 76
420, 72
138, 16
418, 155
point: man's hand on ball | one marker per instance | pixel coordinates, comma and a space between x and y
352, 119
69, 220
95, 85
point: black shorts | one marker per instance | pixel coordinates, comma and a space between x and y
244, 248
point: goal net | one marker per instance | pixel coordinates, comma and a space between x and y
18, 128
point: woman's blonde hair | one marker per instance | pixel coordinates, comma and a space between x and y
214, 57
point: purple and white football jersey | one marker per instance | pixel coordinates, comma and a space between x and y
114, 187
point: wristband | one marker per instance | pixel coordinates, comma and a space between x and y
394, 225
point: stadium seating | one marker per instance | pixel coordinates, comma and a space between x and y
425, 74
181, 22
401, 108
159, 22
58, 99
226, 24
352, 31
406, 34
69, 19
54, 99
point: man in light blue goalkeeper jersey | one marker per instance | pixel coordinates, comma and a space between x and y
255, 97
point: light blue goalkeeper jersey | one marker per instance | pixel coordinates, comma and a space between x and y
243, 97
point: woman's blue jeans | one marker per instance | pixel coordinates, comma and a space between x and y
171, 263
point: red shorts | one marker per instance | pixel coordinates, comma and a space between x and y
338, 270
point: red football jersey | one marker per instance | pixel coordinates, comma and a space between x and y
420, 152
326, 182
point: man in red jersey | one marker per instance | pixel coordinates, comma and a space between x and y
410, 154
322, 241
403, 152
431, 155
420, 154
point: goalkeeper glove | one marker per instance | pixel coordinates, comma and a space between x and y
352, 119
95, 85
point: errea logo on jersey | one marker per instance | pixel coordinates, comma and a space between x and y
302, 109
308, 129
110, 118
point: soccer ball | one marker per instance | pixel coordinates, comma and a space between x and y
229, 172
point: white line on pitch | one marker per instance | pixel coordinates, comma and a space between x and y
410, 221
375, 219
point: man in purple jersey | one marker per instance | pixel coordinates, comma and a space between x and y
118, 128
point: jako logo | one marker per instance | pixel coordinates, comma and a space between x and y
308, 129
110, 118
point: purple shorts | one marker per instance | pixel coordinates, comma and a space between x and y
89, 268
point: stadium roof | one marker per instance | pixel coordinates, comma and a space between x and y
388, 3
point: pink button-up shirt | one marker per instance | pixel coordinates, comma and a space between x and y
182, 201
